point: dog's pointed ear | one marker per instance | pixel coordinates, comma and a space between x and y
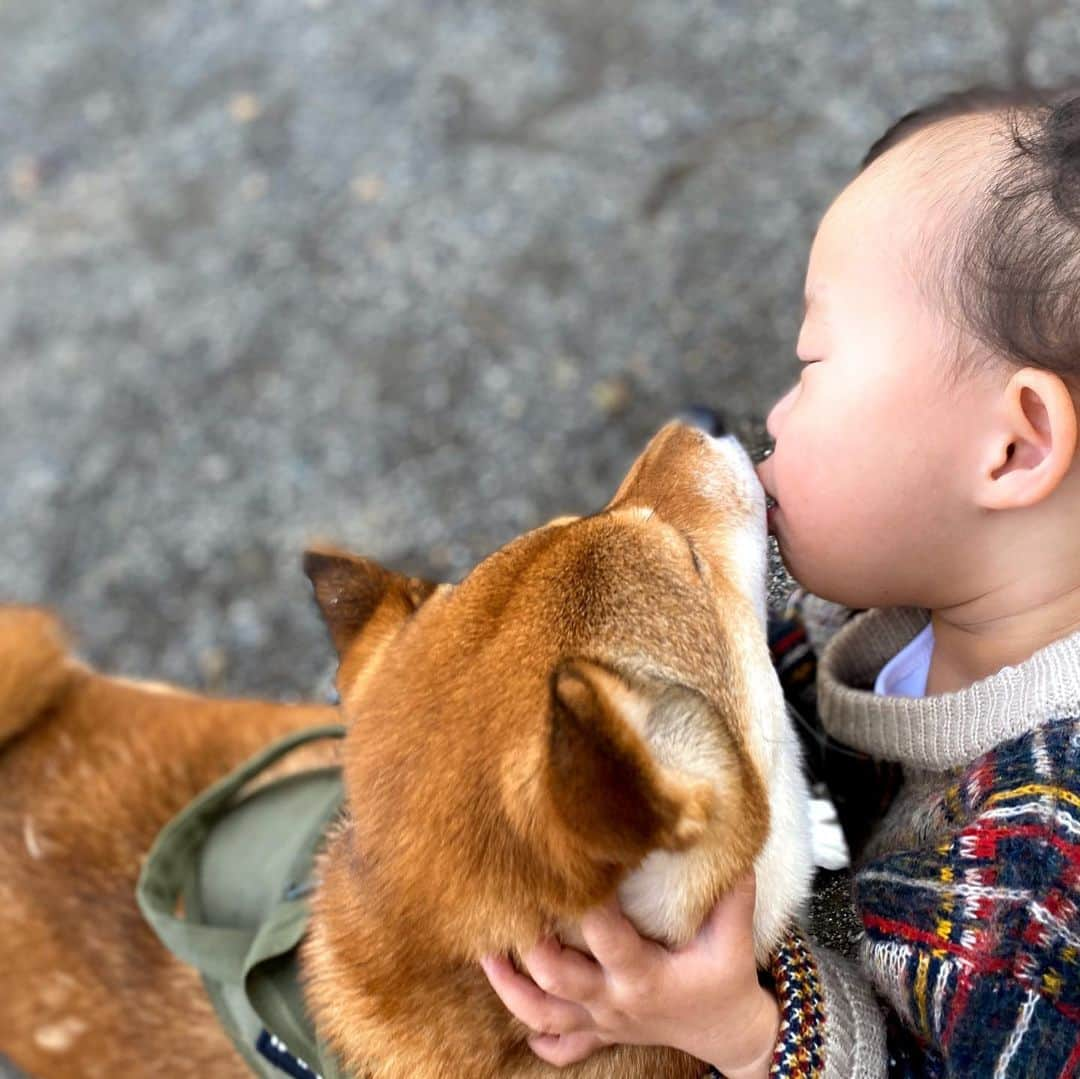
350, 590
615, 799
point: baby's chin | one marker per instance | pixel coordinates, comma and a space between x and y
813, 577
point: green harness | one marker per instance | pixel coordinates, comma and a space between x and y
243, 870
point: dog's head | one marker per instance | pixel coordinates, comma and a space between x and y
590, 708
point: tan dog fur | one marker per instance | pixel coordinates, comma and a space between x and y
593, 708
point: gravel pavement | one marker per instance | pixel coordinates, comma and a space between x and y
414, 275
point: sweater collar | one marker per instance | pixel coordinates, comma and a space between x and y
947, 729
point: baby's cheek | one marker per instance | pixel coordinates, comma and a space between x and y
827, 510
807, 473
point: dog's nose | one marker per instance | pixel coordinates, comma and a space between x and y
707, 419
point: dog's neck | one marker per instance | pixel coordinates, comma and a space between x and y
372, 973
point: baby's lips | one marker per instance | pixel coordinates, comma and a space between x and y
759, 468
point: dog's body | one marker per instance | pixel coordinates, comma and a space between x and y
91, 770
593, 708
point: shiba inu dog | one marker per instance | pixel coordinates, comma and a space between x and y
593, 709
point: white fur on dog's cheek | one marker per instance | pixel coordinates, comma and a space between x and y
784, 870
733, 479
657, 895
736, 474
750, 557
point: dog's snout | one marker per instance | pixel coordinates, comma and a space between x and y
705, 419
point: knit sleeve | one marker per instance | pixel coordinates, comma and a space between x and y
974, 940
830, 1025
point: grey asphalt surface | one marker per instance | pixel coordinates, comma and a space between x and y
414, 276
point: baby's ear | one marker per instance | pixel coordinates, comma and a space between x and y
355, 594
615, 800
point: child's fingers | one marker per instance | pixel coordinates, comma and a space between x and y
614, 941
565, 1049
538, 1010
733, 912
726, 938
564, 972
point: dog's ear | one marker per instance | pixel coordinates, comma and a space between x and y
35, 670
613, 796
351, 590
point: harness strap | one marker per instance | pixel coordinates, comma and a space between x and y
219, 952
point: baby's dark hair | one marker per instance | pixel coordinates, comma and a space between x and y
1011, 275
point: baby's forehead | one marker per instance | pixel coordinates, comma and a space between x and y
937, 170
911, 201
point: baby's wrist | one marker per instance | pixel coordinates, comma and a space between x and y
753, 1058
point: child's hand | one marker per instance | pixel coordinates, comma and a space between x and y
703, 998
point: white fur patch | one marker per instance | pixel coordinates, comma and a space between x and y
736, 478
750, 556
830, 848
163, 688
30, 840
59, 1037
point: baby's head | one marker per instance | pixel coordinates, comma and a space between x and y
926, 455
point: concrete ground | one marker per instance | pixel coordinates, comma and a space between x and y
411, 274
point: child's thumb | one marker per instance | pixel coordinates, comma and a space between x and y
733, 914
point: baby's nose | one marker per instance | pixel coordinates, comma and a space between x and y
772, 421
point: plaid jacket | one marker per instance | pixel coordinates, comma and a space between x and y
972, 933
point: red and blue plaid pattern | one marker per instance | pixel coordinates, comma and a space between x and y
973, 936
973, 933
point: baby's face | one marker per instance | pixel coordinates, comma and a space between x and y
872, 446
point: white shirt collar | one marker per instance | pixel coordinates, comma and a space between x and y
906, 673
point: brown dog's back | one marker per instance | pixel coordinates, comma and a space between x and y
90, 769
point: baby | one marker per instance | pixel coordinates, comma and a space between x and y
924, 476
